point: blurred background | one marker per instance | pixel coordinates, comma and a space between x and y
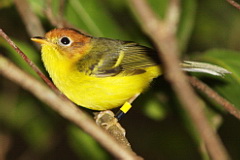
157, 127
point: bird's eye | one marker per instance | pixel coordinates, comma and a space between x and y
65, 41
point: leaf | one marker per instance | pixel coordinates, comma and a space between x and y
228, 86
215, 26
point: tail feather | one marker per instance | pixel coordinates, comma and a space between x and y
191, 66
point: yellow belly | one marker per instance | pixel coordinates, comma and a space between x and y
103, 93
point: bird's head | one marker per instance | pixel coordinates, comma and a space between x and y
64, 43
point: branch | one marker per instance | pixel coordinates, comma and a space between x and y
115, 129
30, 20
172, 15
215, 96
55, 21
234, 4
58, 19
5, 145
65, 108
165, 40
106, 119
29, 62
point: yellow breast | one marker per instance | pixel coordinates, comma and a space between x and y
94, 92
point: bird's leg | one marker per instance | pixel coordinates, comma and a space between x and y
133, 98
107, 121
110, 123
126, 107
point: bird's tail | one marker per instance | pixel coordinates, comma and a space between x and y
191, 66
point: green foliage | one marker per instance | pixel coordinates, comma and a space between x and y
154, 110
156, 115
187, 19
228, 86
84, 145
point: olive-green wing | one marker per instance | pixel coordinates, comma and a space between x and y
113, 57
138, 57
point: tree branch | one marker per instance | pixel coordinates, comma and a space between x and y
215, 96
165, 40
234, 4
58, 19
65, 108
172, 16
29, 62
30, 20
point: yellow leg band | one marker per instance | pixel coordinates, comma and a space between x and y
125, 108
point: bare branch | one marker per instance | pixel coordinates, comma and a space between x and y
31, 64
30, 20
57, 20
65, 108
173, 14
61, 11
5, 144
215, 96
166, 43
49, 14
234, 4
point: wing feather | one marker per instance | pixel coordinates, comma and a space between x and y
112, 57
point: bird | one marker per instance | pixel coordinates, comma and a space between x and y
102, 73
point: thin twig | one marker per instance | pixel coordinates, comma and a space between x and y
166, 43
172, 16
65, 108
5, 145
49, 14
57, 20
215, 96
30, 20
31, 64
61, 9
234, 4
